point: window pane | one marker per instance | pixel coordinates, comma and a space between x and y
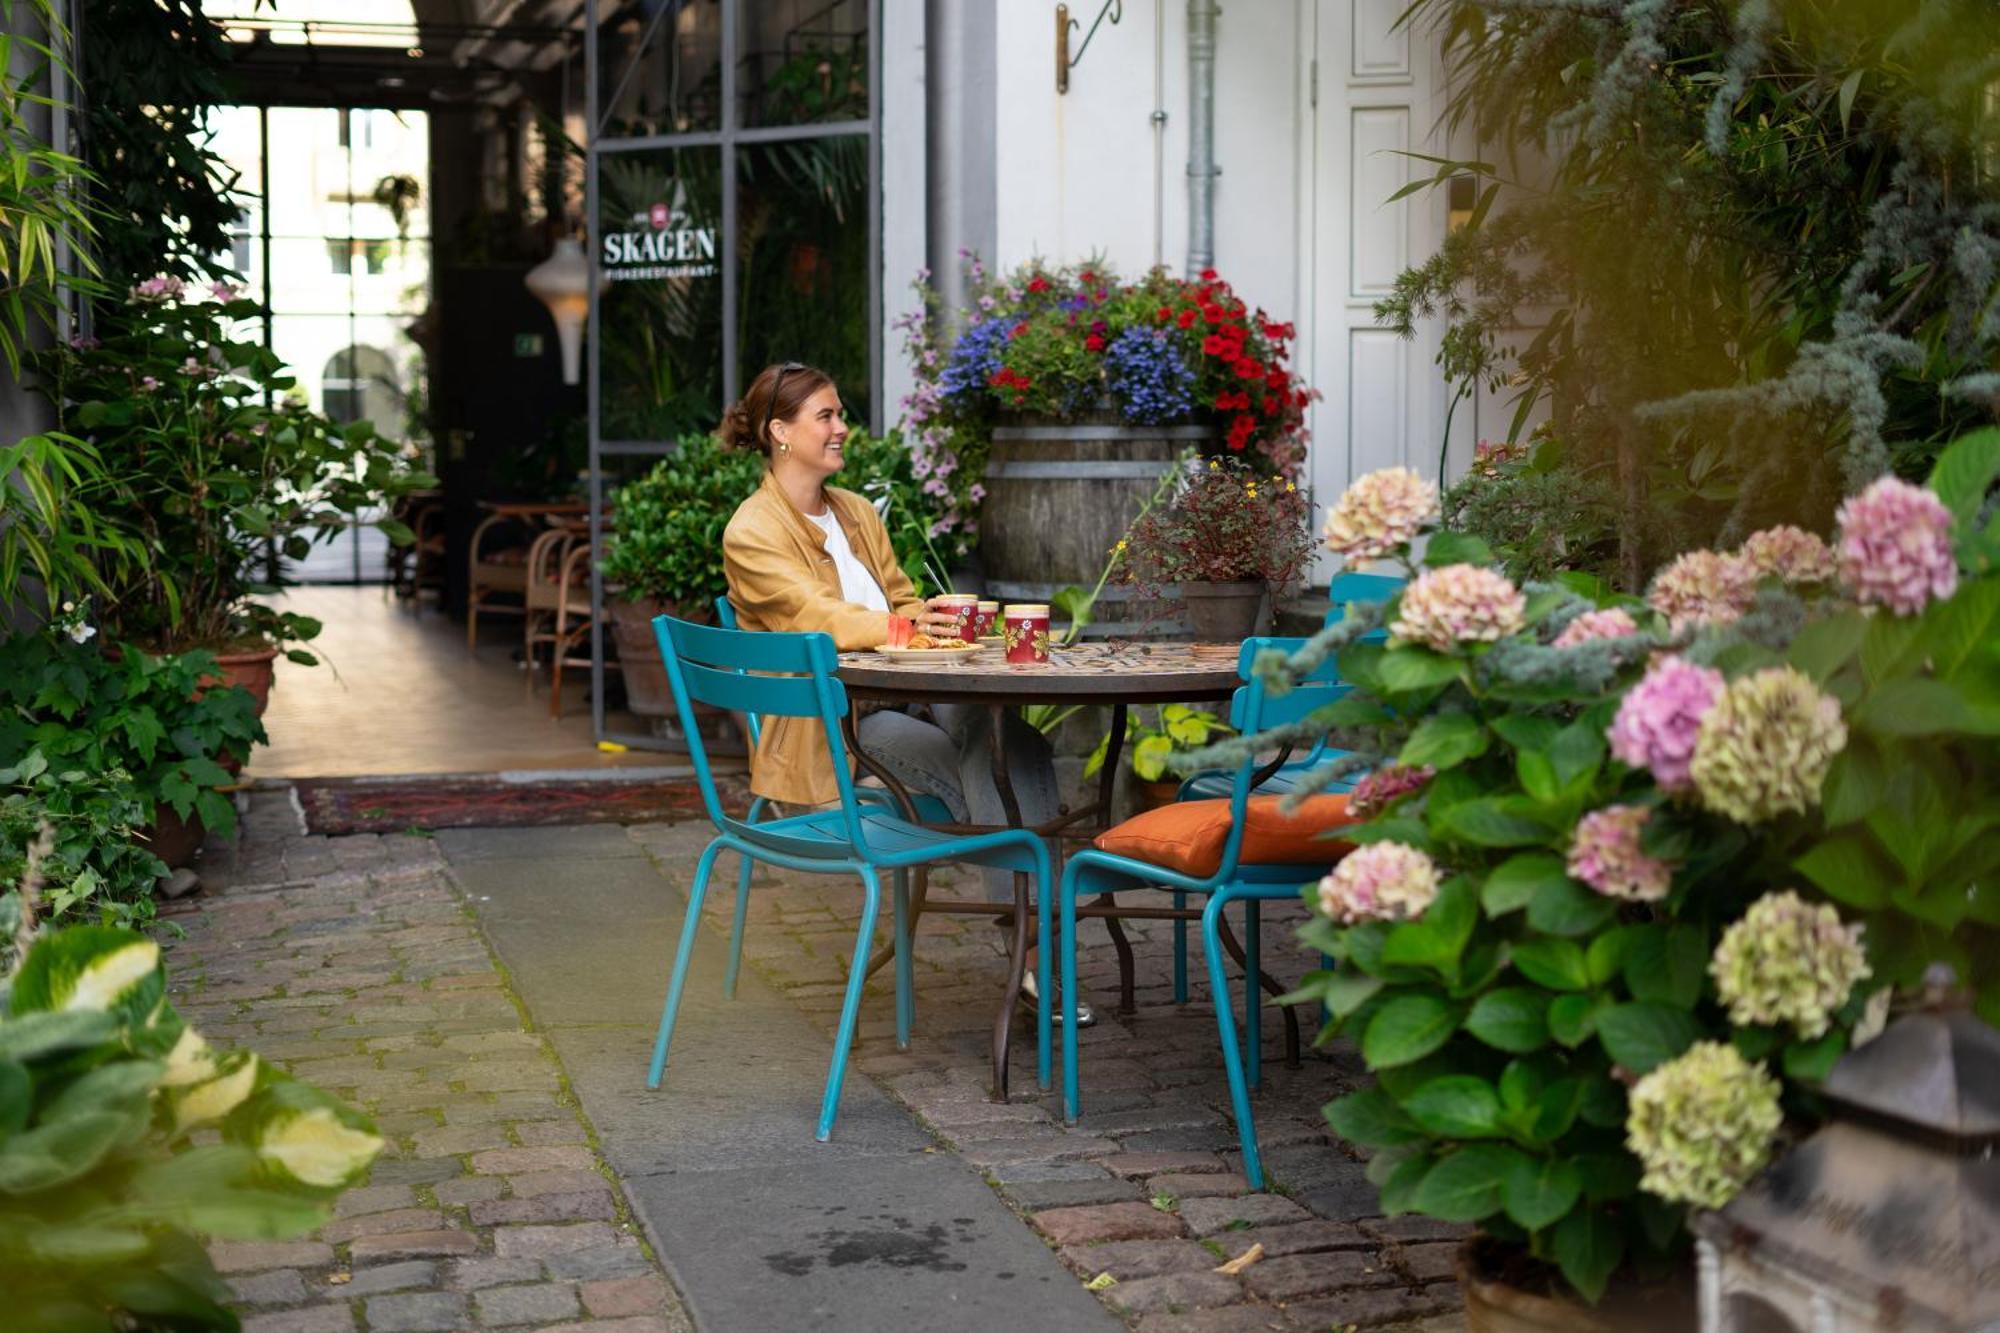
661, 311
661, 68
802, 214
802, 61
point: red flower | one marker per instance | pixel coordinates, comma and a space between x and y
1166, 313
1208, 275
1236, 333
1277, 379
1018, 329
1214, 345
1186, 320
1038, 283
1095, 342
1240, 431
1246, 369
1087, 276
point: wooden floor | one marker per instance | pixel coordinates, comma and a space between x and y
397, 692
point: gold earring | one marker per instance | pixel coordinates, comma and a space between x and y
783, 447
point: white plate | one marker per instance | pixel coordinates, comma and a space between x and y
930, 654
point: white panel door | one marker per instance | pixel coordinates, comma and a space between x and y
1372, 88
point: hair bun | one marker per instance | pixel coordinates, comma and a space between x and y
738, 431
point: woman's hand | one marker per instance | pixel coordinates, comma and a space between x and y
938, 622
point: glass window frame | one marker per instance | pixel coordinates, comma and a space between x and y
726, 141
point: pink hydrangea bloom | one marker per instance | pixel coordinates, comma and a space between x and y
1612, 624
1383, 881
1373, 793
1895, 547
224, 291
154, 290
1458, 604
1660, 718
1380, 512
1606, 856
1789, 553
1703, 588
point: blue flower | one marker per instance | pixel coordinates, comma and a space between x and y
974, 359
1150, 376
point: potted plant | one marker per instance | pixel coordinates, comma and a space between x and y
218, 469
1177, 730
94, 742
1053, 371
1230, 539
1634, 874
664, 554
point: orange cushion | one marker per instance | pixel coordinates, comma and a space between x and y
1188, 835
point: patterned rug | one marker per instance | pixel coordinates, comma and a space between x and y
393, 805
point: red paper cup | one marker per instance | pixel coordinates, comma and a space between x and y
1027, 631
986, 621
963, 607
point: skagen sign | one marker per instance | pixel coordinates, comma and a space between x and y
658, 244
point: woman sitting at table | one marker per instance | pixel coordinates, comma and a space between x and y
801, 556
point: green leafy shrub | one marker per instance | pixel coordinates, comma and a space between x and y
1572, 943
1539, 508
94, 745
1149, 749
125, 1140
215, 464
665, 541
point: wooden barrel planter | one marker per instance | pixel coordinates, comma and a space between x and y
1059, 495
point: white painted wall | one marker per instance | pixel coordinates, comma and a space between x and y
903, 189
1301, 226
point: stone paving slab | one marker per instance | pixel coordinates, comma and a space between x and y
354, 963
533, 1168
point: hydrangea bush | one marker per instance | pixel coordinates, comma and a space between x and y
125, 1140
1632, 873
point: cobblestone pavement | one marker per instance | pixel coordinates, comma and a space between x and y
356, 963
353, 963
1147, 1187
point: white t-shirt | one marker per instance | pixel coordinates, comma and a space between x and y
857, 585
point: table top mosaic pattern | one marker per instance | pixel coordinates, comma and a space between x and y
1106, 669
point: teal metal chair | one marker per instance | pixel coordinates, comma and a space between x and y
929, 810
792, 675
1094, 871
1345, 589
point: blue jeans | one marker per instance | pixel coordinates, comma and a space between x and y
950, 757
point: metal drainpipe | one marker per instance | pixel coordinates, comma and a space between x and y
1201, 135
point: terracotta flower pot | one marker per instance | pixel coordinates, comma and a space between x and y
175, 840
1493, 1305
1224, 612
254, 671
1153, 795
647, 691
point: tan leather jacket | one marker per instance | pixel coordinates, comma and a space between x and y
781, 578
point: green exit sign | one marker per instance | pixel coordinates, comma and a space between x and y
527, 344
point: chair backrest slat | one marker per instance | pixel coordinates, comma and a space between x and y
1253, 708
725, 616
777, 696
787, 675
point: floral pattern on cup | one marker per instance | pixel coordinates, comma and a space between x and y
1026, 630
986, 620
964, 609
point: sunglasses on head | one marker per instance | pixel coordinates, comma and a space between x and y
772, 406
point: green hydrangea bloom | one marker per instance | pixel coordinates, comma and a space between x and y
1765, 746
1788, 961
1702, 1125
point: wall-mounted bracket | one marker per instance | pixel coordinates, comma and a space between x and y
1065, 62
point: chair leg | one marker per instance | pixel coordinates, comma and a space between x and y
850, 1011
472, 624
689, 929
1253, 993
906, 994
1072, 1097
1180, 951
1045, 940
1232, 1056
756, 813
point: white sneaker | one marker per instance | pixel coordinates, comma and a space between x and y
1031, 990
